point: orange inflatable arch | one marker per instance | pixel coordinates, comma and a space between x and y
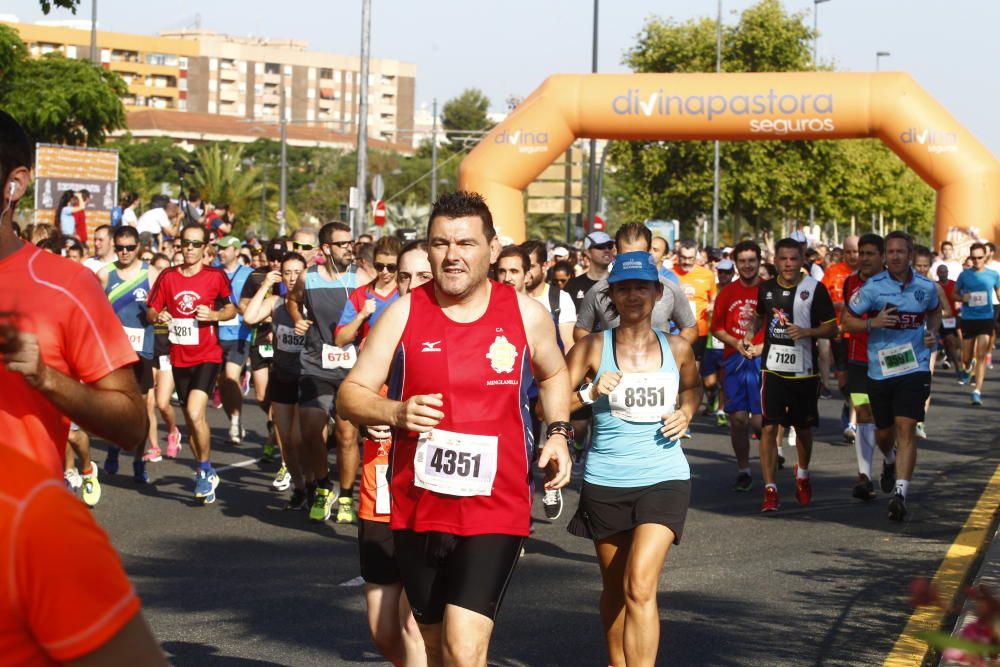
798, 105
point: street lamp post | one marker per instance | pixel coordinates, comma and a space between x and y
816, 3
94, 58
592, 202
878, 59
434, 151
283, 178
715, 174
366, 27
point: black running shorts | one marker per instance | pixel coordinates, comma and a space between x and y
439, 569
201, 377
606, 510
972, 328
902, 396
790, 401
318, 393
282, 390
161, 351
378, 562
143, 370
257, 358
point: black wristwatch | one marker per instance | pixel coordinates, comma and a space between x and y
565, 429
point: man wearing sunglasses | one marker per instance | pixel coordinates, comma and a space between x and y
369, 301
316, 303
192, 299
305, 243
979, 288
127, 282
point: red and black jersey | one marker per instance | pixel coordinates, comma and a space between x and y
857, 343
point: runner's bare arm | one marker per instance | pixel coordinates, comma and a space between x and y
553, 387
258, 308
110, 407
359, 401
690, 391
102, 275
582, 362
946, 308
294, 299
134, 644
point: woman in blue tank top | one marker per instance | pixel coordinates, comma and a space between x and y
636, 482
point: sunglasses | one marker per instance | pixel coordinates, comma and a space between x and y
342, 244
379, 267
126, 248
304, 246
187, 243
977, 257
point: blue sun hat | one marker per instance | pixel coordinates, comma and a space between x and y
634, 266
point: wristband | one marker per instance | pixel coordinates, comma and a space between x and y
565, 429
584, 392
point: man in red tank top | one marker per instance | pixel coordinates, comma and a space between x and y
460, 353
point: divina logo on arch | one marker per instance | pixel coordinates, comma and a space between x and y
526, 142
659, 103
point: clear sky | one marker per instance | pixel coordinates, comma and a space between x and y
504, 47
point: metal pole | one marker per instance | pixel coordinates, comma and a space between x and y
366, 24
816, 4
592, 202
94, 57
283, 188
263, 204
715, 175
434, 153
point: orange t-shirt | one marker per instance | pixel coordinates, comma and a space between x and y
373, 496
833, 280
699, 288
63, 304
63, 592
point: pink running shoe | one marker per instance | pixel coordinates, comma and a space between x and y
173, 444
153, 455
216, 398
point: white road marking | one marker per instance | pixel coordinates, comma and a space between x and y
240, 464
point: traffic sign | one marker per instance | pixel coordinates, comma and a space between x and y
379, 212
598, 223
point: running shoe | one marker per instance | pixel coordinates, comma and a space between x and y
345, 510
297, 501
72, 479
282, 480
897, 507
205, 484
864, 489
792, 438
139, 474
721, 419
111, 463
91, 487
888, 479
824, 391
771, 502
803, 488
268, 454
236, 432
173, 444
921, 431
153, 455
744, 482
977, 398
216, 398
321, 505
552, 501
945, 364
850, 433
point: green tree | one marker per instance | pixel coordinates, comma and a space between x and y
465, 113
57, 99
221, 175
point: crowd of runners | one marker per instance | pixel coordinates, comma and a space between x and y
451, 375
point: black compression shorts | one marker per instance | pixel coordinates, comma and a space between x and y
201, 377
375, 546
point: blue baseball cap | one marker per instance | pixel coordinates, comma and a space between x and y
634, 266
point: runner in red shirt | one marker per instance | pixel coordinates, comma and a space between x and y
55, 609
63, 353
463, 350
734, 309
949, 325
192, 299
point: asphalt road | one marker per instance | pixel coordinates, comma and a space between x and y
241, 582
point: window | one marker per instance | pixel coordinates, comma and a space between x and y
326, 73
272, 68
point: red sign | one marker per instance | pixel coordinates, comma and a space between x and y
379, 212
598, 223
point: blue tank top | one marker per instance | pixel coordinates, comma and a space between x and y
128, 299
630, 454
235, 328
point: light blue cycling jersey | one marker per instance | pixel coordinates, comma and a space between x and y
981, 287
236, 328
899, 350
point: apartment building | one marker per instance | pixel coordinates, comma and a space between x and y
205, 72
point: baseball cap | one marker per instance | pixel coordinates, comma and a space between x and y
596, 238
228, 242
560, 252
634, 266
725, 265
275, 251
728, 250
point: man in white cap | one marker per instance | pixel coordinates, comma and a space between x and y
600, 248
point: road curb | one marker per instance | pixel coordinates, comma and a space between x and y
951, 575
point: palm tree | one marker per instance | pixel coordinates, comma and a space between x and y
222, 176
